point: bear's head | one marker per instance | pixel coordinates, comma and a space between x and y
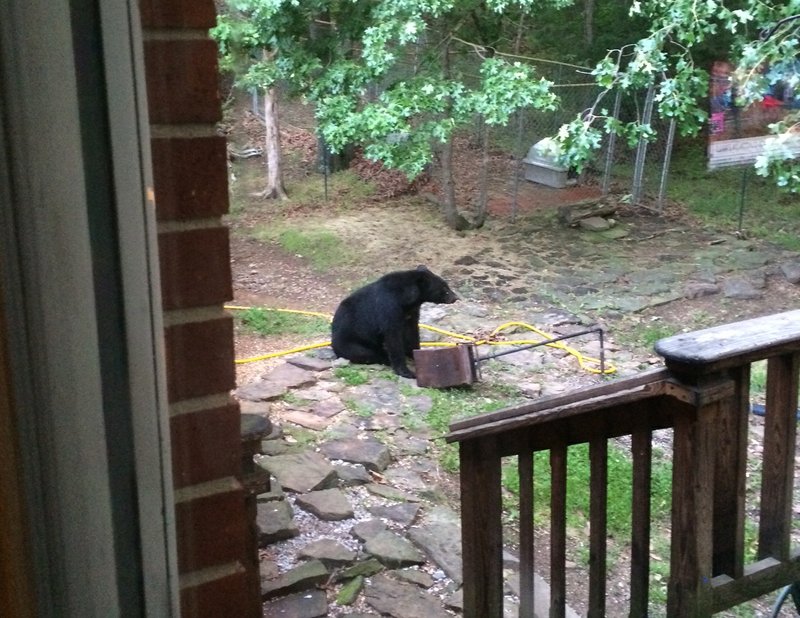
434, 289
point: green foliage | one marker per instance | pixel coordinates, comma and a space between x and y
278, 322
663, 60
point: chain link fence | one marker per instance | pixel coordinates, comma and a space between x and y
639, 171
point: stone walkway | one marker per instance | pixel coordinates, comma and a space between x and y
360, 519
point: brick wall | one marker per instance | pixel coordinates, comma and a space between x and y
215, 553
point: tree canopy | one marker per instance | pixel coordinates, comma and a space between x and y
400, 76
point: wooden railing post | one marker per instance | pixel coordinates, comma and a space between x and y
481, 529
777, 480
689, 589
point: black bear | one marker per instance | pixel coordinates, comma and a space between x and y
379, 323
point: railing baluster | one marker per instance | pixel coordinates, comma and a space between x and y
703, 395
526, 553
481, 529
729, 477
598, 509
558, 531
689, 590
641, 451
778, 470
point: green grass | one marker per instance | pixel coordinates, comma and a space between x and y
758, 379
344, 189
644, 336
620, 474
274, 322
352, 375
456, 403
715, 197
319, 246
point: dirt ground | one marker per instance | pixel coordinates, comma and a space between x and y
388, 233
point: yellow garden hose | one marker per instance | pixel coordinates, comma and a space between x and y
586, 363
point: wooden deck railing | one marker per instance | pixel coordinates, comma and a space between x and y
703, 396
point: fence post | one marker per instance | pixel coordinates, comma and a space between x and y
641, 150
481, 528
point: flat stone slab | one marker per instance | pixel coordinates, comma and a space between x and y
328, 408
365, 530
442, 544
309, 420
261, 390
363, 568
289, 376
275, 523
373, 454
791, 270
300, 472
327, 504
352, 474
330, 552
404, 514
413, 576
391, 493
310, 363
740, 289
401, 600
310, 604
393, 550
306, 576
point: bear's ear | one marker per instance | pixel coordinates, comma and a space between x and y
423, 268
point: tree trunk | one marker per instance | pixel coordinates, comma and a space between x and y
588, 22
448, 199
483, 198
447, 202
272, 148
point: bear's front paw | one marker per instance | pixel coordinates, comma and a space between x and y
405, 372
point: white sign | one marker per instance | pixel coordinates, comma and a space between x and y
744, 151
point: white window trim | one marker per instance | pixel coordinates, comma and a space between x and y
47, 263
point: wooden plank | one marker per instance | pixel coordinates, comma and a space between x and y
731, 345
558, 531
580, 395
598, 516
585, 407
777, 475
599, 407
642, 455
689, 587
730, 479
526, 534
657, 413
758, 579
481, 529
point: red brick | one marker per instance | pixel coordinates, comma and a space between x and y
206, 445
199, 358
182, 81
178, 14
221, 598
195, 268
212, 530
190, 177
